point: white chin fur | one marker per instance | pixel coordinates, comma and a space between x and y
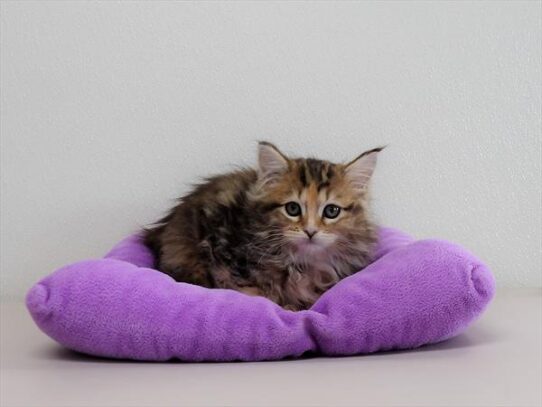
308, 252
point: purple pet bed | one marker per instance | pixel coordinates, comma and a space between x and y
414, 293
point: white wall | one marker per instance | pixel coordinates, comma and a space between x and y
110, 109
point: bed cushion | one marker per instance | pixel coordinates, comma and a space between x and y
414, 293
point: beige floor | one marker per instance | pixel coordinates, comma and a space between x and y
497, 362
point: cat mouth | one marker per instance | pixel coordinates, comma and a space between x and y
309, 245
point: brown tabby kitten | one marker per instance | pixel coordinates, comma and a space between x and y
288, 230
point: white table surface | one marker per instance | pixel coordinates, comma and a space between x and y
497, 362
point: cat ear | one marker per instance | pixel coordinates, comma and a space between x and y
271, 161
360, 169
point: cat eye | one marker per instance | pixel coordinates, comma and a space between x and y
331, 211
292, 208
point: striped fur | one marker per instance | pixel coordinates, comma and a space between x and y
232, 231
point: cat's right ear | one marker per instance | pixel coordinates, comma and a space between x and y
271, 162
361, 168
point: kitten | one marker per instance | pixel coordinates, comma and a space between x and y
288, 230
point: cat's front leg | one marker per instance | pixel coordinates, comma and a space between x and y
252, 291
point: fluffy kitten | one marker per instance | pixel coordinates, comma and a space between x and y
288, 230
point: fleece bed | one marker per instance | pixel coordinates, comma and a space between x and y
414, 293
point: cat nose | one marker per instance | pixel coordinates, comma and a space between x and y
310, 232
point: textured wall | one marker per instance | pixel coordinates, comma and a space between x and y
109, 110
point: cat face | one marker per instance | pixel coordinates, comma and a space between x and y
319, 207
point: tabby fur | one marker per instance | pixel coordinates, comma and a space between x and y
232, 231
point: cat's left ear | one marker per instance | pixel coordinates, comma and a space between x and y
361, 168
271, 162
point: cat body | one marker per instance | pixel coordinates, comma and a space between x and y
287, 230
